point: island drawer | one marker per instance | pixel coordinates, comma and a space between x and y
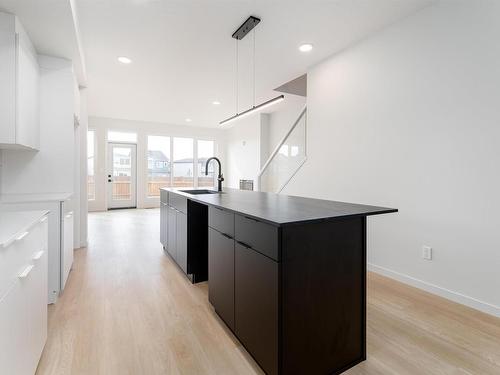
221, 220
258, 235
178, 202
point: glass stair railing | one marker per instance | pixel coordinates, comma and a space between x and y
286, 159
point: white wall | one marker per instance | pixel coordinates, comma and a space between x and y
243, 151
410, 118
143, 129
250, 141
49, 170
282, 119
84, 120
76, 169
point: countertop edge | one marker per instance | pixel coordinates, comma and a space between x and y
383, 210
35, 198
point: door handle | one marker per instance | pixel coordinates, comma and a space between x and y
21, 236
38, 255
244, 245
26, 272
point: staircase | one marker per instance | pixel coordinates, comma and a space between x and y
287, 157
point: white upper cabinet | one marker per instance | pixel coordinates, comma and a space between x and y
19, 87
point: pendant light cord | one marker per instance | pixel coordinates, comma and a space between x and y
254, 67
237, 74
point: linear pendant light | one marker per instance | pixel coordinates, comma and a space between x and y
239, 34
253, 110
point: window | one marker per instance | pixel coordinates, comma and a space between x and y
114, 136
91, 165
205, 151
183, 162
158, 164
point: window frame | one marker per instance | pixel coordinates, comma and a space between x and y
171, 157
169, 163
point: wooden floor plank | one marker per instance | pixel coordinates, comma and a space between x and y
127, 309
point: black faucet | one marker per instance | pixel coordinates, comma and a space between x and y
220, 177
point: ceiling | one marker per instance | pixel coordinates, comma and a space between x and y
183, 56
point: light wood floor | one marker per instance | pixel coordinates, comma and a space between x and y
127, 309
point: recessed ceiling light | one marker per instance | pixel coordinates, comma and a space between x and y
306, 47
188, 120
215, 102
124, 60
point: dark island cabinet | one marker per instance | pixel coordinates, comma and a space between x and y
256, 305
163, 224
286, 274
221, 275
181, 240
172, 232
183, 234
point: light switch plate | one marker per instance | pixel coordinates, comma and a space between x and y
427, 252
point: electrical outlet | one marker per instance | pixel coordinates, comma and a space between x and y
427, 252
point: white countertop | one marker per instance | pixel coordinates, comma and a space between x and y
14, 223
43, 197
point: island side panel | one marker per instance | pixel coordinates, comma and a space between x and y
197, 241
323, 296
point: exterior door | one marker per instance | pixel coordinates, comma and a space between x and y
122, 175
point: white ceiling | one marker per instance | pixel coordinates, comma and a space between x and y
183, 54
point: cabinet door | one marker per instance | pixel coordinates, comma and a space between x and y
14, 328
221, 275
37, 300
256, 306
8, 80
181, 241
163, 225
171, 233
28, 115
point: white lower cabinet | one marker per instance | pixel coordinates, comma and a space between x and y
23, 304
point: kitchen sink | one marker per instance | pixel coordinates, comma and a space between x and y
201, 191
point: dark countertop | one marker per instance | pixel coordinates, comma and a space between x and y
278, 209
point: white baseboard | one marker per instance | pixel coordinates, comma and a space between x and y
435, 289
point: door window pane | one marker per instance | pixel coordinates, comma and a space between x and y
114, 136
158, 164
183, 162
122, 173
205, 151
91, 165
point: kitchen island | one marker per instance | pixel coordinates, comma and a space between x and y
286, 274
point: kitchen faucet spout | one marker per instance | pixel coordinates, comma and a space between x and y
220, 176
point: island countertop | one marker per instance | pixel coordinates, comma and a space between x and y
279, 209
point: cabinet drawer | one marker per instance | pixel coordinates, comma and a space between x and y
258, 235
221, 220
23, 320
178, 202
15, 257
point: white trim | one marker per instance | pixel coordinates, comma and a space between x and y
437, 290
